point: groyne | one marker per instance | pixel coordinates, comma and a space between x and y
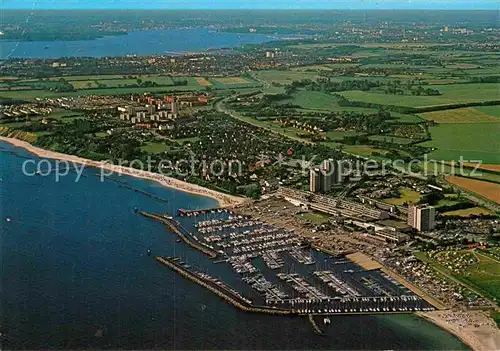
123, 184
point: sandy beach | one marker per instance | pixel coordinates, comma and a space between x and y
224, 200
475, 328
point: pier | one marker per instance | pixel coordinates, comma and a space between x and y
170, 223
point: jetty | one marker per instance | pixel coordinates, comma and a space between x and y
177, 229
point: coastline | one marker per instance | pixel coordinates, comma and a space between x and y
473, 328
460, 324
223, 200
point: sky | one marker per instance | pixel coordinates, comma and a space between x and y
251, 4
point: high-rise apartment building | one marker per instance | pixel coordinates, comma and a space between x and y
422, 218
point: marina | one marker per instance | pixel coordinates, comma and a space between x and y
280, 271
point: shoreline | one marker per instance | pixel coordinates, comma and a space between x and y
223, 200
473, 328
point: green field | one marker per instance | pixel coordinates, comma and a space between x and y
475, 141
314, 100
86, 85
313, 217
325, 67
406, 119
490, 110
482, 276
461, 115
470, 92
284, 77
154, 148
339, 135
406, 196
391, 139
91, 77
363, 150
121, 82
394, 100
451, 94
466, 212
64, 115
33, 94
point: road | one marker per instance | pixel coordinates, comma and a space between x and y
221, 107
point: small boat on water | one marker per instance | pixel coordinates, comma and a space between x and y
136, 209
178, 241
8, 219
149, 252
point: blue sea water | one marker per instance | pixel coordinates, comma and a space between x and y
145, 42
75, 274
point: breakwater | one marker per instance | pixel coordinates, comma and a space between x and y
314, 325
224, 293
170, 223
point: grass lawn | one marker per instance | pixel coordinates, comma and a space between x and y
64, 115
407, 195
154, 148
189, 140
313, 217
461, 115
474, 141
101, 134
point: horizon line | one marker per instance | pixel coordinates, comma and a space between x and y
251, 9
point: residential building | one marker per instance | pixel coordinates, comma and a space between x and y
422, 218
